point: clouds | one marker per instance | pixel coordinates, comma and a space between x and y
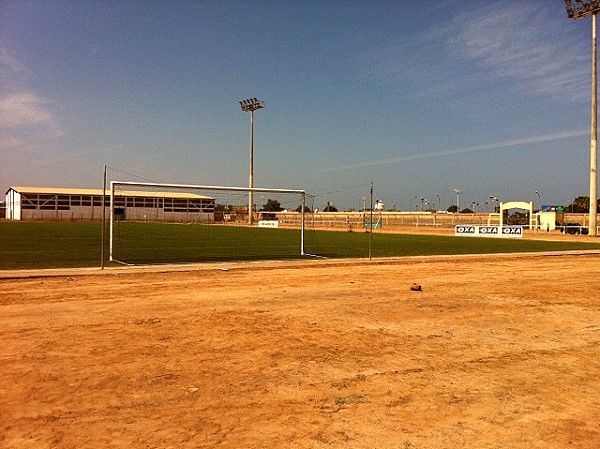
23, 109
517, 47
9, 61
354, 84
505, 145
530, 46
24, 118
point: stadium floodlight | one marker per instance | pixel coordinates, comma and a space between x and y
458, 192
250, 105
576, 10
579, 8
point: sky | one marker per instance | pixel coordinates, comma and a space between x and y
418, 98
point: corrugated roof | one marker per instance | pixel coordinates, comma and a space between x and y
139, 193
56, 190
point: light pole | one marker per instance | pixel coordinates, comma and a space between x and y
493, 200
539, 209
364, 209
250, 105
578, 10
439, 201
458, 192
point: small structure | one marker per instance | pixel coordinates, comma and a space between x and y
64, 204
517, 205
546, 221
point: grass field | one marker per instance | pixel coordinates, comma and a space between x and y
57, 245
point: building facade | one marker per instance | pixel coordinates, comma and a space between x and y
62, 204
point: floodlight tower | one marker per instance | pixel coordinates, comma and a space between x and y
576, 10
458, 192
250, 105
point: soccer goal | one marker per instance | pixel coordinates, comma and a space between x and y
153, 223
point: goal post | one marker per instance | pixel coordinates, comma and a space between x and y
177, 223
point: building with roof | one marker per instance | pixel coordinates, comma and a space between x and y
63, 204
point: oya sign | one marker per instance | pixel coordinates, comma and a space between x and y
509, 231
489, 231
465, 230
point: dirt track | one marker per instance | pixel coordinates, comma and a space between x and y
493, 353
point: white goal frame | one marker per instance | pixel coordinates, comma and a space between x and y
113, 184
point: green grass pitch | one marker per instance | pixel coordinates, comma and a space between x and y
55, 245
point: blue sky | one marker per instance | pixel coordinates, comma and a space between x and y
417, 97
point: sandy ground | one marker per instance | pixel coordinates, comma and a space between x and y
494, 352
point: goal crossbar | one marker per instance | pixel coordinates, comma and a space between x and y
193, 186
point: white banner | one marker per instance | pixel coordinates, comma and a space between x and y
268, 223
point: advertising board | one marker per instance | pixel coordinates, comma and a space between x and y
268, 223
489, 231
550, 208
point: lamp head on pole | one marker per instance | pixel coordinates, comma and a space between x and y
577, 9
251, 104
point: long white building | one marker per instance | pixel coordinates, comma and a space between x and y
63, 204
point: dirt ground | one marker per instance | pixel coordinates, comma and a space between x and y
493, 352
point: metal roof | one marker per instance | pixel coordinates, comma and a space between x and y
69, 191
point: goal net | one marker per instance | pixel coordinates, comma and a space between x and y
153, 223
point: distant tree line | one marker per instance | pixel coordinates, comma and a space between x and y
580, 205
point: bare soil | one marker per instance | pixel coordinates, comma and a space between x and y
492, 352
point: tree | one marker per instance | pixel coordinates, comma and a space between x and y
272, 206
330, 208
223, 208
580, 205
306, 209
452, 209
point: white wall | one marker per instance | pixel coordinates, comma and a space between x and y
547, 221
13, 205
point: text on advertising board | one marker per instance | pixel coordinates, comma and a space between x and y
489, 231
